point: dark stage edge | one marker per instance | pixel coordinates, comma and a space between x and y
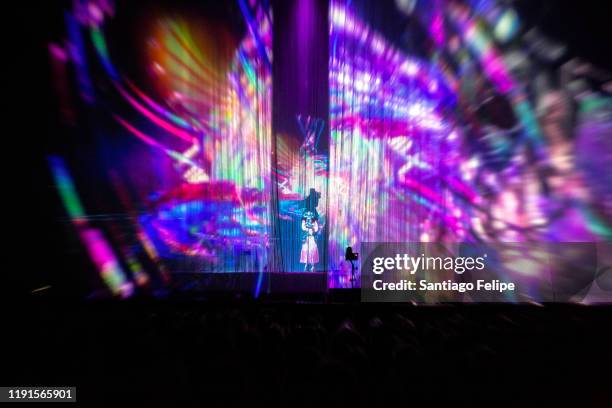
253, 284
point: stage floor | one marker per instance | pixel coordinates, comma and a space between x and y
256, 283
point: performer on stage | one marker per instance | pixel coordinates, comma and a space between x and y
310, 252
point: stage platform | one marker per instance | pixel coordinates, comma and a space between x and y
266, 284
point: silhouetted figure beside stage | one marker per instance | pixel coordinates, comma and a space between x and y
351, 257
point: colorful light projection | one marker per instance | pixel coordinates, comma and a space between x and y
223, 202
394, 155
524, 157
97, 246
301, 174
453, 149
415, 152
299, 167
206, 121
498, 125
520, 151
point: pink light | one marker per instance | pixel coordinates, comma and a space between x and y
160, 122
139, 134
437, 29
58, 52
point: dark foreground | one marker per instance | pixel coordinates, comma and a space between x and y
175, 353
